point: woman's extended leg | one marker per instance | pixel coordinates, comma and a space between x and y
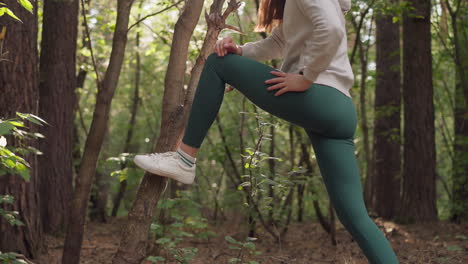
307, 109
340, 172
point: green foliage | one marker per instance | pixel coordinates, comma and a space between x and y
10, 258
124, 173
186, 222
10, 216
24, 3
10, 157
245, 249
5, 10
12, 162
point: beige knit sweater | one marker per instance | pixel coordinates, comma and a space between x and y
312, 40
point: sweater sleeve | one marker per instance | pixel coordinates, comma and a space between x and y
328, 32
268, 48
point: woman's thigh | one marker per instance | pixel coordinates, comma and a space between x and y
322, 109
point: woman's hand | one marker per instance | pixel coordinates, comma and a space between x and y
228, 89
288, 82
226, 45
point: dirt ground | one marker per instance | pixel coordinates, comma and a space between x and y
306, 243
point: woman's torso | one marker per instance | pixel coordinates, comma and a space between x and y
298, 32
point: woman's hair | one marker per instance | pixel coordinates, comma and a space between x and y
270, 14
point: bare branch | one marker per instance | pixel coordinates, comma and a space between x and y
154, 14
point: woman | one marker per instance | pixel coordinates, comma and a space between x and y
311, 90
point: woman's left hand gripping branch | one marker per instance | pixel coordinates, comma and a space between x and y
288, 82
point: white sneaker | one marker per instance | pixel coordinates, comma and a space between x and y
167, 164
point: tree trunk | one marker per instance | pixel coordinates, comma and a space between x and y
460, 146
369, 193
57, 97
106, 89
98, 210
19, 93
310, 171
300, 202
134, 109
387, 157
419, 178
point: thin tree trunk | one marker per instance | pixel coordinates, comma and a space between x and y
363, 57
460, 162
332, 224
271, 165
98, 210
306, 159
387, 157
131, 126
94, 141
19, 93
419, 178
300, 202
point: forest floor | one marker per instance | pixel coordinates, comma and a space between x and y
306, 243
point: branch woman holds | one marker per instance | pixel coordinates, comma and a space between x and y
311, 90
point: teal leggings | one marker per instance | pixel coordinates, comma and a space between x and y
327, 115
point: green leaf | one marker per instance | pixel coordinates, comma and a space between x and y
9, 163
230, 239
234, 247
5, 127
27, 5
155, 259
38, 135
163, 240
6, 199
454, 248
249, 245
23, 171
10, 13
244, 184
35, 150
32, 118
234, 260
18, 124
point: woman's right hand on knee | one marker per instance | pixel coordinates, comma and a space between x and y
227, 45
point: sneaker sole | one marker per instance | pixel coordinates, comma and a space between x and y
161, 173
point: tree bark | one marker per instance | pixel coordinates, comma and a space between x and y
95, 138
57, 97
419, 178
98, 210
131, 126
19, 93
369, 192
387, 157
